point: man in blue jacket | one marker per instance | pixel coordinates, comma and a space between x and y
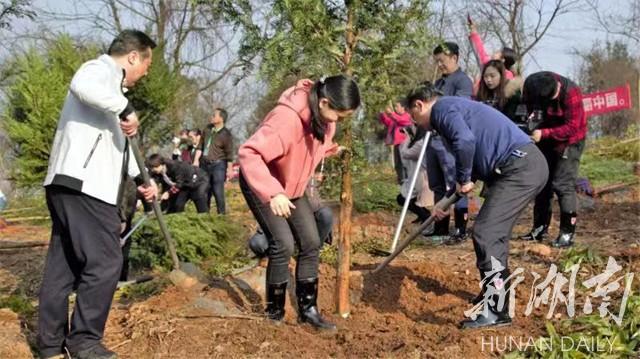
440, 163
487, 146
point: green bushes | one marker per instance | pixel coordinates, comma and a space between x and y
201, 239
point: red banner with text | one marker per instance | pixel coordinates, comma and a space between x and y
615, 99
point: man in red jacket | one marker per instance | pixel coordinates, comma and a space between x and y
557, 102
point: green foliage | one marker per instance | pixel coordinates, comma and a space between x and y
626, 148
371, 246
592, 330
161, 99
375, 195
35, 98
329, 255
199, 238
19, 304
142, 291
307, 39
595, 75
583, 256
609, 160
375, 188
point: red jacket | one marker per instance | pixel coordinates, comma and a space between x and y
394, 123
282, 154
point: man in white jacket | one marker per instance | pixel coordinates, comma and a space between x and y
89, 158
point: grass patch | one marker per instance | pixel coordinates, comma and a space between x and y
602, 171
28, 206
609, 339
19, 304
585, 257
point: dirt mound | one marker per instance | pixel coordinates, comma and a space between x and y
13, 343
410, 309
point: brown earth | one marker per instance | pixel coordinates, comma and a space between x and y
411, 309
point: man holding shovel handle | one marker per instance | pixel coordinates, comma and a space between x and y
487, 146
90, 156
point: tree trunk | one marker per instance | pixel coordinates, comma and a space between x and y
346, 197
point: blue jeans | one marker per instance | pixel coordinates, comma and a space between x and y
217, 171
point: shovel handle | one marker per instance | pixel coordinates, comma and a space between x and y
154, 203
443, 204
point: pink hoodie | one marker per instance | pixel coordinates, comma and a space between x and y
282, 154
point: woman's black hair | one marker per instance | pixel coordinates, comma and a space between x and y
424, 92
487, 95
343, 95
509, 57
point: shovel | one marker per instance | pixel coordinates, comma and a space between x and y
405, 207
444, 204
177, 276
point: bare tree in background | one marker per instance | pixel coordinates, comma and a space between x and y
518, 24
14, 9
625, 23
196, 38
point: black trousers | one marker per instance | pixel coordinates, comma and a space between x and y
198, 194
84, 254
397, 164
507, 195
299, 229
563, 173
421, 212
217, 171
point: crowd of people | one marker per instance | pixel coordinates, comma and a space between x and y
478, 133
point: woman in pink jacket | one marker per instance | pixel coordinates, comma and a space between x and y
506, 54
395, 120
276, 164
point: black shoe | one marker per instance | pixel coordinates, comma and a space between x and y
307, 294
538, 233
97, 351
567, 231
459, 236
276, 297
495, 315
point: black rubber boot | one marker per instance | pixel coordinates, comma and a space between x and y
478, 298
496, 315
276, 297
567, 230
540, 230
307, 294
461, 216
